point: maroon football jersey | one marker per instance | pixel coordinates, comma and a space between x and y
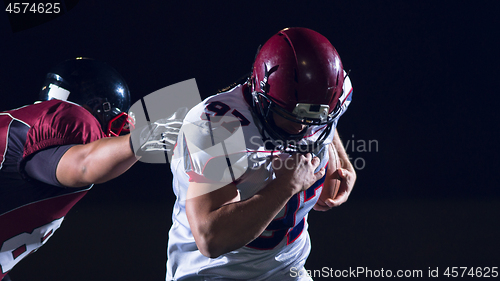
30, 210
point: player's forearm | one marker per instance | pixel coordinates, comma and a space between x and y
234, 225
110, 159
344, 158
96, 162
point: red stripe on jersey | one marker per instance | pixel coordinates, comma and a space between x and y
350, 92
5, 121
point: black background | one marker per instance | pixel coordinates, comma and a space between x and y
424, 76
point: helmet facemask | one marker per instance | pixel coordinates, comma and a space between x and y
114, 122
121, 124
305, 114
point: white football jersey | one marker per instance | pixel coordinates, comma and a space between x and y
221, 142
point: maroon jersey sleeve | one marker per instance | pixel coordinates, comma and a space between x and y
63, 123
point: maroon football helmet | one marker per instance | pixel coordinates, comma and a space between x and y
297, 74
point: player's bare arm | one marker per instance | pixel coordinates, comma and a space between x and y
95, 162
332, 182
347, 172
220, 224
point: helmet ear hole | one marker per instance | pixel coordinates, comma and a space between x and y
106, 106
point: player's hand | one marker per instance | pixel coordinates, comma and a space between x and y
347, 183
161, 135
297, 171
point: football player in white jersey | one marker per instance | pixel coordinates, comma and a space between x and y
252, 161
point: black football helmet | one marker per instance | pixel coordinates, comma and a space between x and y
97, 87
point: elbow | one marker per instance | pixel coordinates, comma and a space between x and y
209, 246
72, 168
209, 253
213, 243
76, 177
83, 177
